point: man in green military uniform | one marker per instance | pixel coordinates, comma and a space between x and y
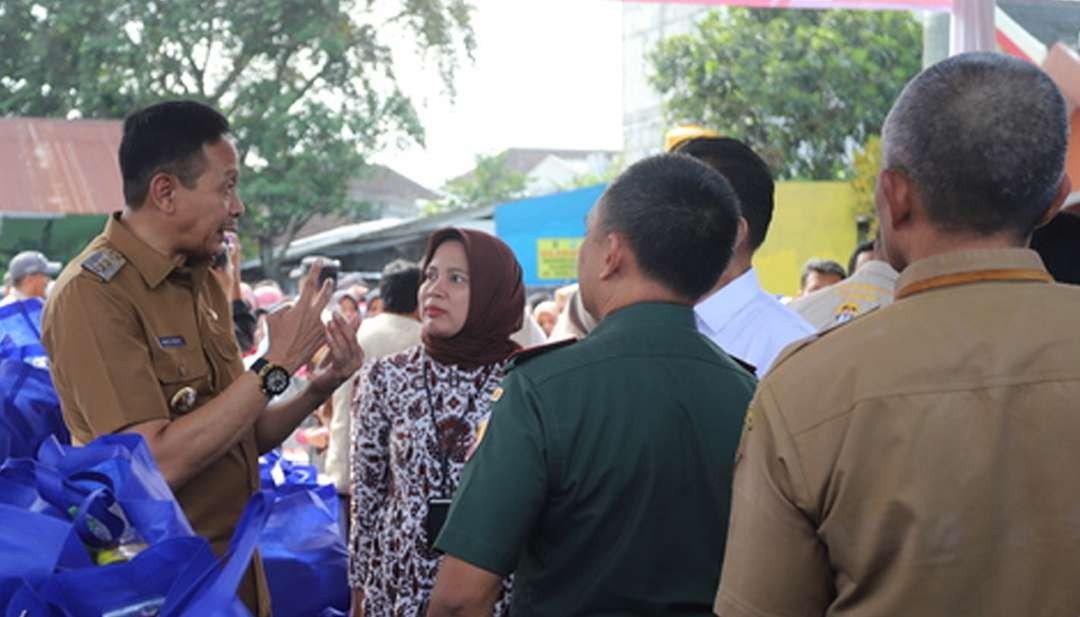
603, 481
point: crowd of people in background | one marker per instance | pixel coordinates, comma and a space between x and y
581, 450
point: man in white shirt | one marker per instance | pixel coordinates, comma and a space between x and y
737, 314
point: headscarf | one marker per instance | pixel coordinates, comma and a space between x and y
496, 301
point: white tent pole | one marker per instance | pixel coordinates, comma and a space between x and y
972, 26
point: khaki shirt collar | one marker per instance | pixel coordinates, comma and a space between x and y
958, 262
151, 265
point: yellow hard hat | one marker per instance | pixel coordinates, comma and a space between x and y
685, 132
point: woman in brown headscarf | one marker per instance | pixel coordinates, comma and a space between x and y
417, 415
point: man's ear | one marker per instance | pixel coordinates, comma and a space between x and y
1063, 191
901, 198
742, 231
615, 254
162, 192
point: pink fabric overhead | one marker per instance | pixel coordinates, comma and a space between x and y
900, 5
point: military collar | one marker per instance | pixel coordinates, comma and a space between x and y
977, 262
664, 314
151, 265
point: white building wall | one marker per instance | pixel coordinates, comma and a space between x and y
645, 25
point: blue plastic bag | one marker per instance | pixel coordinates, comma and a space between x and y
112, 469
20, 332
29, 406
214, 593
29, 410
35, 545
175, 577
302, 548
274, 471
136, 587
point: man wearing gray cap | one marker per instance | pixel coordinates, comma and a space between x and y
29, 273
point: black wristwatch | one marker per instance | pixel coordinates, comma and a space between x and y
274, 379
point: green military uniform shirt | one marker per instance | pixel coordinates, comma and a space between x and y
604, 476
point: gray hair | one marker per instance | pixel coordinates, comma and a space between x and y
983, 137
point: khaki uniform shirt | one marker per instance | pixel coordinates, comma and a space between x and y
127, 329
920, 460
869, 287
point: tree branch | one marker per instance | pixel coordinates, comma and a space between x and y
243, 59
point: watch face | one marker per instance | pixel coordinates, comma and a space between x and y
276, 380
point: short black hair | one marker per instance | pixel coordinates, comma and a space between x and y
865, 246
821, 266
167, 137
679, 217
748, 175
399, 285
983, 138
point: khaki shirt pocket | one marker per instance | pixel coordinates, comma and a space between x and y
182, 372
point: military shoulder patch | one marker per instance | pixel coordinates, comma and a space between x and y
104, 263
799, 345
523, 356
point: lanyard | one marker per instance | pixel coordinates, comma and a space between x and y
444, 456
976, 276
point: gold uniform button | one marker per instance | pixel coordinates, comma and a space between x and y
184, 400
496, 395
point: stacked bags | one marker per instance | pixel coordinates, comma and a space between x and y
107, 504
95, 531
29, 407
301, 545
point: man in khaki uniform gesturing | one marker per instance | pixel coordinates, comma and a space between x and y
938, 479
140, 335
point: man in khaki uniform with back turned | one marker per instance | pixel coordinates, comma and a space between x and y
921, 460
140, 335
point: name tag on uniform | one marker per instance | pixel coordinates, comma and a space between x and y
168, 342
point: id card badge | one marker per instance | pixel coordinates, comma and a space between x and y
438, 508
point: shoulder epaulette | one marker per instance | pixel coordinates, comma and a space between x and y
801, 344
524, 355
104, 263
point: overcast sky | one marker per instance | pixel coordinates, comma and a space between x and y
547, 75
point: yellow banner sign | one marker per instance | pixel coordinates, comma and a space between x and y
556, 258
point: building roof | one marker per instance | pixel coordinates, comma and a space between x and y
376, 184
524, 160
374, 235
380, 182
1049, 21
52, 167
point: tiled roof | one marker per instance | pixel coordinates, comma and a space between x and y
50, 166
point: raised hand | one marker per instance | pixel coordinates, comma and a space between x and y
345, 356
296, 331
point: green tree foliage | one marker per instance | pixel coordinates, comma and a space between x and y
309, 85
865, 165
605, 176
803, 88
491, 182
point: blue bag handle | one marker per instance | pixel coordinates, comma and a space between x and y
215, 590
87, 497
